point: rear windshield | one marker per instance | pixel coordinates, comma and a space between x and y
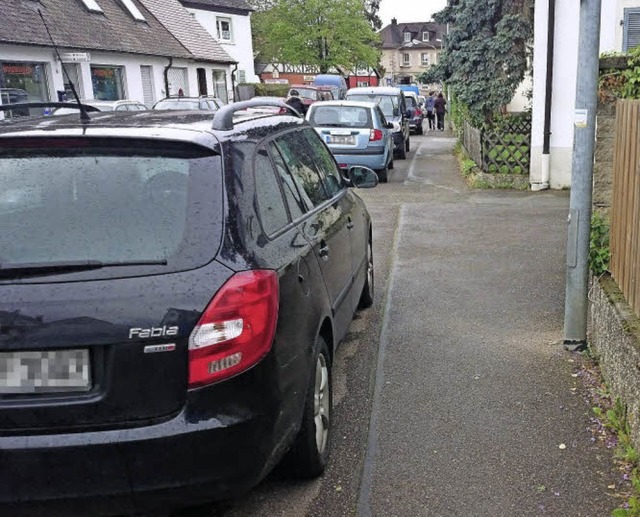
340, 116
109, 205
304, 93
388, 103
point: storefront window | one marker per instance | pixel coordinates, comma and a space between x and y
108, 84
23, 82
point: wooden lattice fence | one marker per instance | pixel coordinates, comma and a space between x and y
505, 149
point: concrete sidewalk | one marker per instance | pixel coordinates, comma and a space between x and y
475, 409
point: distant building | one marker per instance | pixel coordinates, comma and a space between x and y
409, 49
112, 49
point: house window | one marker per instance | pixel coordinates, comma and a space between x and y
223, 27
92, 6
407, 37
363, 83
425, 59
425, 36
406, 59
133, 10
107, 82
631, 38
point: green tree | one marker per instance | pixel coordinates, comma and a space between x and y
371, 8
486, 52
322, 33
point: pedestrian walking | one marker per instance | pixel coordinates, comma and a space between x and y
440, 106
429, 106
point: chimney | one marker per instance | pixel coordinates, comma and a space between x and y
394, 21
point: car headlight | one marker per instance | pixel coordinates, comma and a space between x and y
396, 127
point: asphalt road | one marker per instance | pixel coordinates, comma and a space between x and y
453, 394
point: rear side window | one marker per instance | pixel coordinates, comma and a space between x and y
325, 164
389, 104
273, 214
292, 192
295, 153
109, 205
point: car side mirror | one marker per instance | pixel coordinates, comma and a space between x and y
389, 125
362, 177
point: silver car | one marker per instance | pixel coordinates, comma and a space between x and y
356, 132
121, 105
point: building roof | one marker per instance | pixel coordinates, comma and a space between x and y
74, 27
392, 35
223, 6
187, 30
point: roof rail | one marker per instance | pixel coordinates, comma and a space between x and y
22, 105
223, 118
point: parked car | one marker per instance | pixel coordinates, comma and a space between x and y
189, 103
172, 292
392, 104
307, 96
357, 133
336, 83
414, 114
121, 105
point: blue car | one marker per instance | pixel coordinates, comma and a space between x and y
356, 132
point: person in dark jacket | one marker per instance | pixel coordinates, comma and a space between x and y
440, 106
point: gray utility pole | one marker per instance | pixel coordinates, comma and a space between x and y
576, 300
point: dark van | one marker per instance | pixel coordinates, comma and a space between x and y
336, 82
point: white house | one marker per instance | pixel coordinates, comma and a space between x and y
111, 49
229, 23
620, 31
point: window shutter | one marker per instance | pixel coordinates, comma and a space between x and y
631, 29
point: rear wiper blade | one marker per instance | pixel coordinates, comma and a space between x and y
69, 266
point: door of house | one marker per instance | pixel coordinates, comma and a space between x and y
202, 81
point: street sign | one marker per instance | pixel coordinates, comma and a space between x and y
75, 57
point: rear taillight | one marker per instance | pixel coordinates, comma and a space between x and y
236, 329
375, 135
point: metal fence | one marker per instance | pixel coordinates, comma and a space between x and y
625, 207
505, 149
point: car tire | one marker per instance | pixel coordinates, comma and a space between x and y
382, 175
407, 145
402, 152
390, 166
420, 130
366, 298
309, 454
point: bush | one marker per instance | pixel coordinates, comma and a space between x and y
599, 251
271, 89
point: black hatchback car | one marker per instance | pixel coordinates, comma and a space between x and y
172, 291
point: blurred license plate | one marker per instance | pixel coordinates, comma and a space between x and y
341, 139
45, 371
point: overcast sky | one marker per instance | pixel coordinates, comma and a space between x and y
409, 11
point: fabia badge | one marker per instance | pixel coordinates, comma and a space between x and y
152, 332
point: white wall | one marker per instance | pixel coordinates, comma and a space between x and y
130, 62
564, 81
241, 46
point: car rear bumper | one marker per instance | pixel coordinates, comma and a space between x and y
208, 451
373, 161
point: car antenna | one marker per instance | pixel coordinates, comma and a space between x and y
83, 114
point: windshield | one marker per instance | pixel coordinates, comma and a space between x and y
177, 105
60, 206
388, 103
304, 93
342, 116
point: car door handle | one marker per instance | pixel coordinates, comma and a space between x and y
324, 251
350, 224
